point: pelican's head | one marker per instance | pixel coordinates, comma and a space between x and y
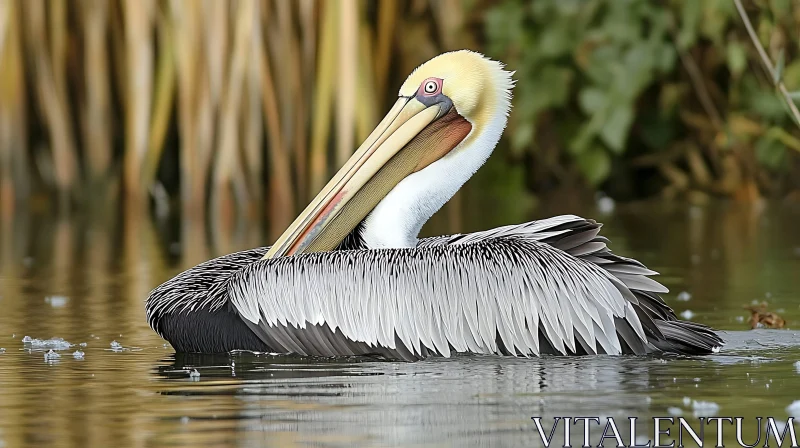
477, 87
447, 120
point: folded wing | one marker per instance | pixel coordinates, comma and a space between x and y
549, 286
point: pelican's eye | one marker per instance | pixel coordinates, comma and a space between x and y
431, 87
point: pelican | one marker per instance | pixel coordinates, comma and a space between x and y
351, 277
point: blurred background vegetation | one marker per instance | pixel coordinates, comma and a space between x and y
246, 107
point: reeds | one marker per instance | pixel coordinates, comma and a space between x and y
246, 106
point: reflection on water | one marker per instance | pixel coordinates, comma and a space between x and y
84, 279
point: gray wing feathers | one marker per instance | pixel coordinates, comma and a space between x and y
486, 292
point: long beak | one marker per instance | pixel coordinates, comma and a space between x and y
406, 120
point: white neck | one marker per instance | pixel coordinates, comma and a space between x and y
397, 220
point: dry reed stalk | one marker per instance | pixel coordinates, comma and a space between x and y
290, 44
308, 27
186, 38
13, 148
227, 170
97, 111
307, 10
347, 79
6, 184
281, 200
162, 104
279, 49
300, 93
366, 107
207, 98
450, 25
53, 104
118, 53
252, 124
323, 98
284, 54
215, 34
139, 47
205, 150
5, 13
387, 17
57, 16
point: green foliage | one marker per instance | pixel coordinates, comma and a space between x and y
615, 72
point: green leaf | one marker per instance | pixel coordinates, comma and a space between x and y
779, 67
714, 23
770, 152
666, 58
791, 75
655, 130
780, 7
736, 57
691, 11
616, 128
595, 165
763, 101
523, 136
556, 41
592, 100
583, 138
558, 80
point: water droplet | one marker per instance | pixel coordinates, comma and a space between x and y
51, 356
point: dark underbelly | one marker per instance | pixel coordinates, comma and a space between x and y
205, 331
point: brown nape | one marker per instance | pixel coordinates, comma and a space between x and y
436, 140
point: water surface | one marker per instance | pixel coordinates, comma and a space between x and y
84, 280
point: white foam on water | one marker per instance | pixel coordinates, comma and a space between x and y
684, 296
56, 301
704, 408
51, 356
794, 409
41, 344
78, 354
674, 411
688, 314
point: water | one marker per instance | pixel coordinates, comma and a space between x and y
84, 280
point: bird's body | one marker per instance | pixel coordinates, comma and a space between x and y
545, 287
350, 277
